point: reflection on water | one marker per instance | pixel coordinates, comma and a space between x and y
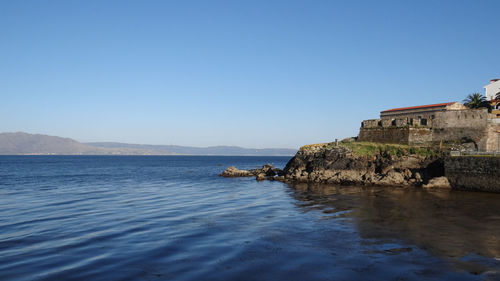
172, 218
463, 227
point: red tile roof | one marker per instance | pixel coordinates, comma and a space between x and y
420, 106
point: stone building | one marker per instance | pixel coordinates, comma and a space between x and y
421, 112
434, 124
492, 89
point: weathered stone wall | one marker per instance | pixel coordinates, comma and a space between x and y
396, 122
469, 118
493, 137
419, 136
410, 115
371, 123
384, 135
467, 125
473, 173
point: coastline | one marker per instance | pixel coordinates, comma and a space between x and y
375, 164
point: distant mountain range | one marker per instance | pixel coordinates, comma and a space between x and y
35, 144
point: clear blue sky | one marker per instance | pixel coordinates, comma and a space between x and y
248, 73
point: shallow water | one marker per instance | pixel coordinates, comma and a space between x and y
173, 218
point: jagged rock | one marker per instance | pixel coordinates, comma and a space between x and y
439, 182
233, 172
350, 176
270, 173
280, 178
340, 165
407, 174
418, 177
267, 172
392, 178
261, 177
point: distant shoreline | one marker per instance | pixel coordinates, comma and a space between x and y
21, 143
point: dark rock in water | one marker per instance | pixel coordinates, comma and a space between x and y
261, 177
233, 172
267, 172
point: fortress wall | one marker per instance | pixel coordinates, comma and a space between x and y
463, 125
469, 118
419, 136
371, 123
473, 172
384, 135
469, 125
492, 142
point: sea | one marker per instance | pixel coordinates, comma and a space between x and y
173, 218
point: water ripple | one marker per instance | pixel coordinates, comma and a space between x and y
172, 218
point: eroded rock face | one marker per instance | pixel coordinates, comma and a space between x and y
339, 165
439, 182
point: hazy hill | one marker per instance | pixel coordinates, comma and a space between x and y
23, 143
189, 150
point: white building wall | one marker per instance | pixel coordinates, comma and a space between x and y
492, 89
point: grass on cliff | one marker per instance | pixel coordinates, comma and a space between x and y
372, 149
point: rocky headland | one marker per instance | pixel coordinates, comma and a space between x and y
356, 163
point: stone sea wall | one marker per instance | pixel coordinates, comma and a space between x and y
480, 173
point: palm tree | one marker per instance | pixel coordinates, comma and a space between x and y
476, 100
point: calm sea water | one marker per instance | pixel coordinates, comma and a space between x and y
173, 218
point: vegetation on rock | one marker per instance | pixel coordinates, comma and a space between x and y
372, 149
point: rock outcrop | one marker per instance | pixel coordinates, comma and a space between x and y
342, 164
233, 172
267, 172
338, 164
352, 163
439, 182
